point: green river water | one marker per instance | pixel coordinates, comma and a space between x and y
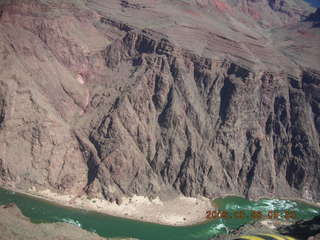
41, 211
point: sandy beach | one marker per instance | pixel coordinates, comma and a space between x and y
181, 211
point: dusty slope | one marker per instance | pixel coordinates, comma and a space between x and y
156, 98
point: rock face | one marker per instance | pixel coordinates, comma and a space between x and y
194, 101
306, 230
315, 17
274, 12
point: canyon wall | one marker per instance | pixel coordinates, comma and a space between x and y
96, 105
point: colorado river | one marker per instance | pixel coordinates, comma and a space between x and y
41, 211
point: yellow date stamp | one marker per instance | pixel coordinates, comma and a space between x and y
222, 214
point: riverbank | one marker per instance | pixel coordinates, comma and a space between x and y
14, 225
181, 211
42, 211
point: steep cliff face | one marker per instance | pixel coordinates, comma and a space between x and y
202, 126
116, 109
43, 63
